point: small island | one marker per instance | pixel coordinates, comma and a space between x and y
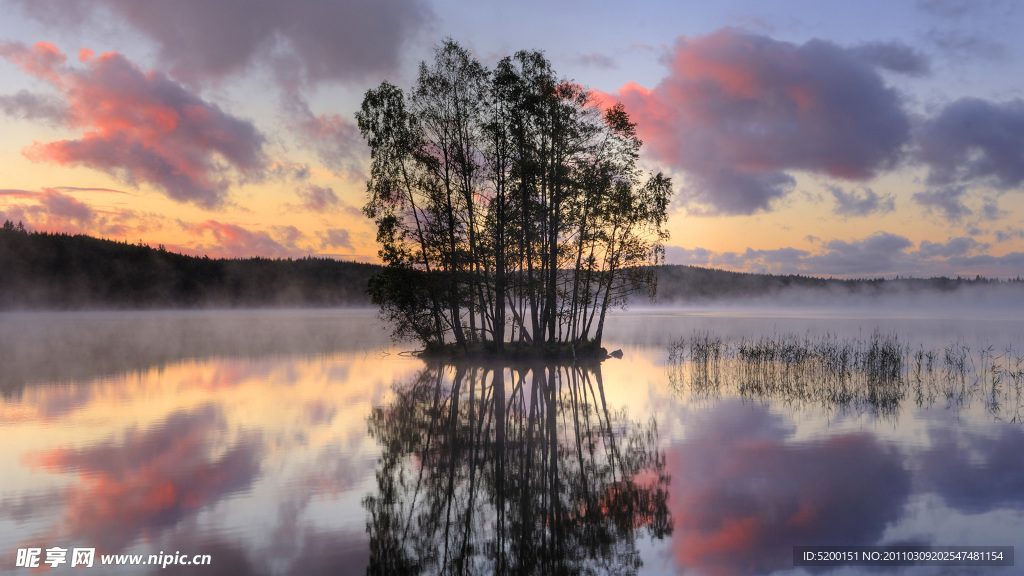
509, 207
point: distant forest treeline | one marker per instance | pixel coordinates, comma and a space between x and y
60, 271
691, 283
41, 270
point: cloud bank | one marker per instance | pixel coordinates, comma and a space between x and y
152, 479
743, 492
28, 106
306, 40
336, 140
739, 111
880, 254
865, 202
141, 127
53, 210
226, 240
974, 141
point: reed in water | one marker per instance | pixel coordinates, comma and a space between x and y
875, 374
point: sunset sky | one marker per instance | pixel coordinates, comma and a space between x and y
838, 139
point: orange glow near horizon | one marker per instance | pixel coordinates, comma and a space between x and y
64, 176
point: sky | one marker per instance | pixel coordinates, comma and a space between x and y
863, 139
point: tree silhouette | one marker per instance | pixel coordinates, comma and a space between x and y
541, 478
507, 203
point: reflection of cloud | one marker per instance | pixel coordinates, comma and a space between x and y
343, 553
26, 507
973, 472
310, 551
743, 496
319, 412
151, 480
227, 559
336, 469
60, 402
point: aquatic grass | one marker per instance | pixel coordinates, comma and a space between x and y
703, 353
876, 374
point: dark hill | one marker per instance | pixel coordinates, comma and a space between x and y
43, 270
678, 284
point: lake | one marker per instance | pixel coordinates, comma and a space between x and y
305, 442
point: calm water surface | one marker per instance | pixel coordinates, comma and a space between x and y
304, 442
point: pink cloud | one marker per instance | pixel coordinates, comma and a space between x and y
42, 60
336, 238
738, 111
318, 198
221, 240
63, 206
142, 127
323, 200
18, 194
335, 140
54, 211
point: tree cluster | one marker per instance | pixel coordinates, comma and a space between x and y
528, 470
508, 204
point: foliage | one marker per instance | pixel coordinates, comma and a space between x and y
507, 202
526, 470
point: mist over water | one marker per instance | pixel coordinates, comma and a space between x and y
68, 346
919, 323
263, 438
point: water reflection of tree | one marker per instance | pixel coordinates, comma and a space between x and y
544, 478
